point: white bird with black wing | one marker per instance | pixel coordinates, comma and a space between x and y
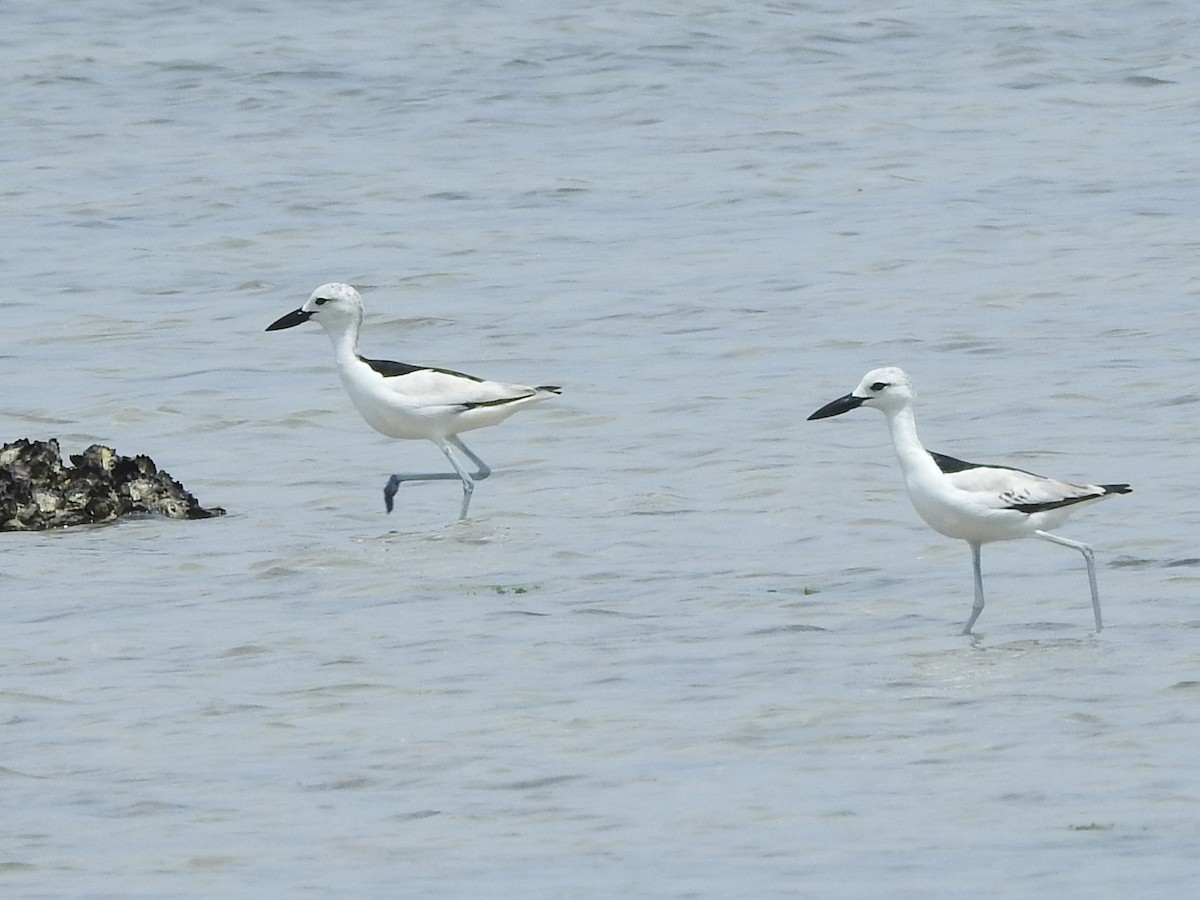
974, 503
411, 402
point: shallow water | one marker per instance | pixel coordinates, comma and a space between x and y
688, 644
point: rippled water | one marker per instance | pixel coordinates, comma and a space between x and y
688, 644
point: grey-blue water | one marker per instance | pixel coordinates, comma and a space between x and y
688, 644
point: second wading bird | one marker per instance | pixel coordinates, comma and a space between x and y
410, 402
974, 503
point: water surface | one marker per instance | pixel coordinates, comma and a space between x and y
688, 644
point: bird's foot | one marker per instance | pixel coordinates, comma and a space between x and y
389, 492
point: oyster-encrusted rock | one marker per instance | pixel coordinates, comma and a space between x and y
37, 491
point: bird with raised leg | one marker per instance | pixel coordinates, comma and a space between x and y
975, 503
410, 402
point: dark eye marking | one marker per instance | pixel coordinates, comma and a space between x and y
321, 301
879, 385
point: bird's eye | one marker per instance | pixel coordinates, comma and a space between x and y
879, 385
321, 301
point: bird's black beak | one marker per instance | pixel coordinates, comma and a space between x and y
291, 320
837, 407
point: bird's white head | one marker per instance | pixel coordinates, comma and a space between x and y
335, 307
888, 389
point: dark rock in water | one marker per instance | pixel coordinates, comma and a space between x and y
37, 491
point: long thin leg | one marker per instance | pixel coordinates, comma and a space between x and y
1090, 559
978, 607
484, 469
468, 480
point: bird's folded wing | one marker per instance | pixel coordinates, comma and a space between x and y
1000, 488
440, 387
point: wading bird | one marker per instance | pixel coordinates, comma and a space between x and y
411, 402
974, 503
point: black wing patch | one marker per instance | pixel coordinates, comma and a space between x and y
552, 388
1030, 508
949, 465
389, 369
503, 400
1105, 490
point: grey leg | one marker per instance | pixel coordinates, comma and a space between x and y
468, 480
978, 607
1090, 559
484, 469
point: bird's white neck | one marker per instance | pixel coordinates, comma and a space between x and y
909, 450
345, 342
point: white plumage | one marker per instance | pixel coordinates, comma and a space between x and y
975, 503
411, 402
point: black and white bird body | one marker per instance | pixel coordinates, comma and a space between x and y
975, 503
410, 402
